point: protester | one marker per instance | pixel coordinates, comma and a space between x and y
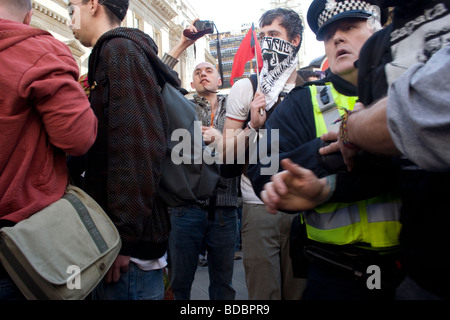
265, 237
124, 166
44, 114
211, 223
407, 62
343, 239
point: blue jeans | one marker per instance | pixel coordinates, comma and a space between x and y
191, 228
136, 284
8, 290
238, 230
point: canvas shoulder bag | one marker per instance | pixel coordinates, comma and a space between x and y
61, 252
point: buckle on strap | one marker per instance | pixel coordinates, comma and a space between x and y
325, 98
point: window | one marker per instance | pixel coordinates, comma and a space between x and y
138, 22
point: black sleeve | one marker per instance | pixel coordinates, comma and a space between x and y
289, 133
373, 175
374, 55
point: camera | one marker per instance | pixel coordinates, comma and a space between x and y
203, 27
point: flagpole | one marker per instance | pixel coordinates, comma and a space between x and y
261, 111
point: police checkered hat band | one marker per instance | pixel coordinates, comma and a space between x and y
342, 7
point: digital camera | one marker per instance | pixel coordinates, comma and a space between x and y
203, 27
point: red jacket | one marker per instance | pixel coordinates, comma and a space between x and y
44, 114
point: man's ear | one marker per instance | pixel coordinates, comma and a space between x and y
297, 40
27, 19
93, 7
192, 85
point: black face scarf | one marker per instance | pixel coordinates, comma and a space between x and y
280, 61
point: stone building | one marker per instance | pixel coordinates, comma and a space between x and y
163, 20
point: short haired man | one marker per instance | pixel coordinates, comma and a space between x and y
124, 166
212, 224
343, 239
265, 239
44, 114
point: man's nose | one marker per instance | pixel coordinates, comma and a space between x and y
338, 37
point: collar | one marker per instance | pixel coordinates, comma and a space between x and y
342, 86
203, 102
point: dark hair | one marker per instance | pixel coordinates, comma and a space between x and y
290, 20
112, 18
305, 74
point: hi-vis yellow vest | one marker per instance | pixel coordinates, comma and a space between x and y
375, 221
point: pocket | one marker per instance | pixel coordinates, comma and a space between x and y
177, 211
229, 213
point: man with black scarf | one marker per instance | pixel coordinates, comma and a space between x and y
123, 167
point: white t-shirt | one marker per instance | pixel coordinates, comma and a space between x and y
149, 265
238, 108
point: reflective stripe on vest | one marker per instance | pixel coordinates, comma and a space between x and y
373, 221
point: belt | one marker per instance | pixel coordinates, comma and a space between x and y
354, 261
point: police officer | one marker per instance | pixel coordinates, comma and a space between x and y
349, 245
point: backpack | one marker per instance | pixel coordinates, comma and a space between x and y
194, 179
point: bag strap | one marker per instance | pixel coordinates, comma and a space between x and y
88, 222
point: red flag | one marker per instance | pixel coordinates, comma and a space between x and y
245, 53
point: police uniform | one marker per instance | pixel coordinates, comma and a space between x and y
344, 239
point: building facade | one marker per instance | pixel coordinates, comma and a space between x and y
163, 20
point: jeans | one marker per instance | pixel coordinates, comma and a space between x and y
136, 284
8, 290
238, 230
190, 229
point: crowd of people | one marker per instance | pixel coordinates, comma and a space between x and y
355, 211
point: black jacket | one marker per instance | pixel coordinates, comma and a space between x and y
124, 165
425, 214
294, 118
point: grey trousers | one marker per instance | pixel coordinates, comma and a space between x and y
265, 248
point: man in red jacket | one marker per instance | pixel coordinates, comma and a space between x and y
44, 114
